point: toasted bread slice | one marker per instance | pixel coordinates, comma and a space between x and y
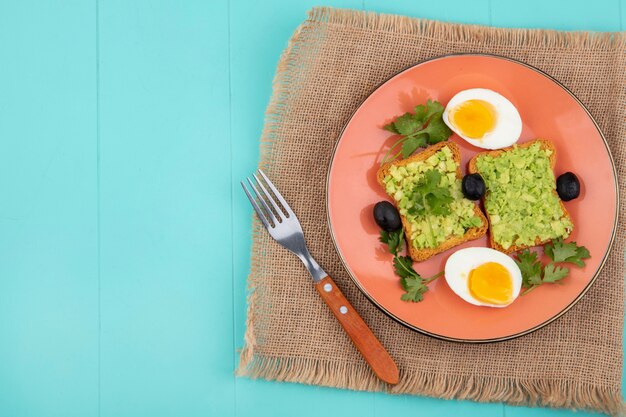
472, 168
419, 255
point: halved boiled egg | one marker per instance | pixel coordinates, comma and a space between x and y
483, 118
483, 277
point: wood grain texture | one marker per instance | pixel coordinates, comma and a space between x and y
364, 340
48, 210
259, 32
166, 232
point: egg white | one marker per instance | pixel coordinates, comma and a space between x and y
508, 127
461, 262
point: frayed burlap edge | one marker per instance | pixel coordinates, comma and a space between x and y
544, 393
460, 33
249, 363
533, 392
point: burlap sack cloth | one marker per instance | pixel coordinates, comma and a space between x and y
335, 59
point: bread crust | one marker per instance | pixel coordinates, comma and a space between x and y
472, 169
420, 255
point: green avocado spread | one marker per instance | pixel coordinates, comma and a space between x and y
427, 229
520, 200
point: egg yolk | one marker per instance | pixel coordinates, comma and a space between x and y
491, 283
473, 118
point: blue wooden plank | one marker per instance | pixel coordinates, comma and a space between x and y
259, 33
387, 405
511, 411
561, 15
167, 338
257, 398
48, 241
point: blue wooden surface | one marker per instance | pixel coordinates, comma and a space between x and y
124, 238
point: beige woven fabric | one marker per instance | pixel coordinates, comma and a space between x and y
334, 60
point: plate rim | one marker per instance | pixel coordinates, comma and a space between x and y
496, 339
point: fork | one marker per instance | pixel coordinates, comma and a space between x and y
284, 227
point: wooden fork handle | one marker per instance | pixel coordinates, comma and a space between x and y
374, 353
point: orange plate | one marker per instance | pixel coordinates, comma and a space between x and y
549, 111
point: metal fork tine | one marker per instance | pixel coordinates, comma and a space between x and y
268, 211
255, 206
277, 194
269, 197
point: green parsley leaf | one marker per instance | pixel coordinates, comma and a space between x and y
439, 202
530, 267
414, 288
566, 252
410, 280
404, 267
391, 128
534, 275
411, 144
423, 127
392, 239
437, 130
407, 124
553, 273
432, 177
432, 108
429, 197
421, 113
559, 251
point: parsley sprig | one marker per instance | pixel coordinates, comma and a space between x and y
412, 282
566, 252
393, 240
430, 197
419, 129
534, 274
